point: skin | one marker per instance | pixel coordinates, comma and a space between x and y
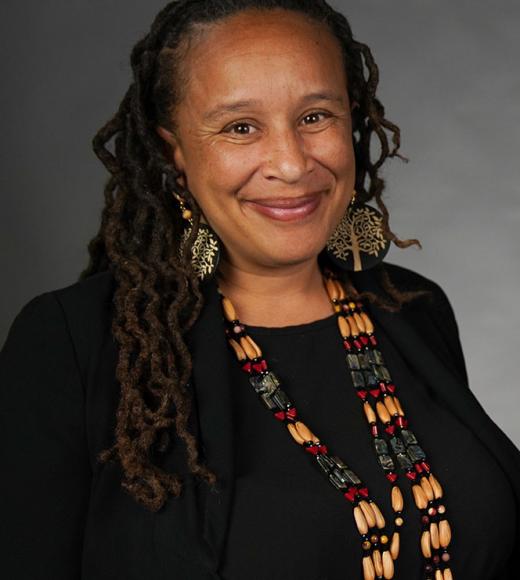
284, 145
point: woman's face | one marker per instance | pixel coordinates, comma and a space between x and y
264, 136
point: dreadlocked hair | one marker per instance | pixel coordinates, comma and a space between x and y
157, 298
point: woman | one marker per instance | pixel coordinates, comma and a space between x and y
237, 278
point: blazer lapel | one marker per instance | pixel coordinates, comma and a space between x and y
211, 382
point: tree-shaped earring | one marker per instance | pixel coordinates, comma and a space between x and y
205, 251
358, 242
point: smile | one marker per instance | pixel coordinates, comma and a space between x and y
287, 209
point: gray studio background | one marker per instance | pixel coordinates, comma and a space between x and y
449, 78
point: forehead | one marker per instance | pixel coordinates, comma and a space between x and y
261, 48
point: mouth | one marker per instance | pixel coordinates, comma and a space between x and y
287, 208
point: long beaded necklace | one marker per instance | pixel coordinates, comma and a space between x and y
393, 442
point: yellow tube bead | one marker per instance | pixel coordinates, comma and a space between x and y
305, 432
390, 405
368, 513
434, 535
249, 349
395, 545
239, 351
294, 433
368, 323
444, 533
380, 520
436, 486
359, 322
397, 499
420, 499
332, 289
427, 488
382, 411
353, 326
361, 521
426, 547
368, 569
438, 575
255, 346
399, 407
378, 562
369, 412
388, 565
229, 310
447, 574
341, 290
344, 327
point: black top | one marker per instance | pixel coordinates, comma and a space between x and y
272, 515
287, 521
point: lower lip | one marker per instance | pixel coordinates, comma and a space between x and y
286, 214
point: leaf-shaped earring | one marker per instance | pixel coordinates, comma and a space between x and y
205, 251
358, 242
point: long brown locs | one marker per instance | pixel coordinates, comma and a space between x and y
393, 442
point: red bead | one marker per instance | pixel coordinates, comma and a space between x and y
292, 412
280, 415
247, 366
357, 344
425, 520
323, 449
401, 422
363, 491
258, 367
312, 449
364, 340
351, 493
390, 429
374, 430
373, 340
361, 394
391, 387
263, 362
382, 386
411, 475
392, 476
418, 468
347, 345
375, 393
425, 466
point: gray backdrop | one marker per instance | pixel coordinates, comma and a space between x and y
449, 78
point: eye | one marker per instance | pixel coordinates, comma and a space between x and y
315, 117
239, 128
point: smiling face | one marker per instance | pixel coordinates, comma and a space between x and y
264, 136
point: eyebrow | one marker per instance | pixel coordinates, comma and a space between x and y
237, 106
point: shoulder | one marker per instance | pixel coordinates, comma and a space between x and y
73, 318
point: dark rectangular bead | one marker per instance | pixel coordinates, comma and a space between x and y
357, 378
386, 374
281, 400
386, 462
415, 453
264, 383
379, 357
353, 362
370, 379
408, 437
380, 446
404, 462
325, 462
397, 445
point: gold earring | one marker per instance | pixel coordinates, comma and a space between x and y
205, 251
358, 242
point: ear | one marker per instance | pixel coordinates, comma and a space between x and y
173, 151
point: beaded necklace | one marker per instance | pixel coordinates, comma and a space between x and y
393, 442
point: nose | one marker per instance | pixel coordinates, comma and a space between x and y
286, 156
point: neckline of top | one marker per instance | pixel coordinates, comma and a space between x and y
306, 327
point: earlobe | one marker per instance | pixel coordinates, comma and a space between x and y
174, 150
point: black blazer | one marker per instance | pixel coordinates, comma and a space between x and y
65, 517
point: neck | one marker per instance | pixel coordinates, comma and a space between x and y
271, 297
